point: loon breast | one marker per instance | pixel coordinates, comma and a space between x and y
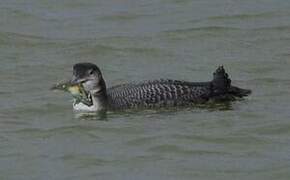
158, 93
83, 107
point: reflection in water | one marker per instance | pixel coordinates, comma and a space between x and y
99, 116
103, 115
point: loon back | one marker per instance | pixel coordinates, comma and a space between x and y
164, 93
154, 94
158, 93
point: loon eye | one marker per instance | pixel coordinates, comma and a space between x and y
91, 72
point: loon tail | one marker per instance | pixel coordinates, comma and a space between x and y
221, 85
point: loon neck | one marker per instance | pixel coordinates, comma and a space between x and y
100, 99
99, 96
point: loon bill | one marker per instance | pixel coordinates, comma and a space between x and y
91, 94
76, 90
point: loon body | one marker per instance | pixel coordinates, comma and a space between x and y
151, 94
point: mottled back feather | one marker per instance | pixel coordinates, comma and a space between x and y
158, 93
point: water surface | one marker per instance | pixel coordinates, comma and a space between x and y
42, 138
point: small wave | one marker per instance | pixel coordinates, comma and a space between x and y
123, 17
168, 148
47, 133
269, 130
199, 32
83, 160
222, 140
205, 29
269, 80
17, 13
276, 29
247, 16
140, 141
4, 92
97, 49
25, 40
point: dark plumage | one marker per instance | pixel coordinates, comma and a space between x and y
158, 93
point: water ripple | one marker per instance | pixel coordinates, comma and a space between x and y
249, 16
24, 40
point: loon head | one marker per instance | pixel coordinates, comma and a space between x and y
90, 76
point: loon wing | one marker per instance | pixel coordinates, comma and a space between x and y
158, 93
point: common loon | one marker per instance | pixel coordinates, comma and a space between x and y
150, 94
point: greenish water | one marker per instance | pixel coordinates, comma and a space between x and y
42, 138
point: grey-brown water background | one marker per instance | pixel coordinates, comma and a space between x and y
42, 138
